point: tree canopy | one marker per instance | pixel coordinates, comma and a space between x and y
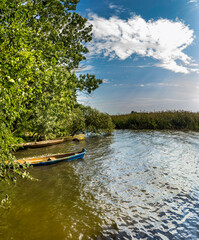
42, 42
89, 120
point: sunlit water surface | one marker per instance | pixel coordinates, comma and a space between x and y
132, 185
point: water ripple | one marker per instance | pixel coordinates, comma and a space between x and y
132, 185
150, 183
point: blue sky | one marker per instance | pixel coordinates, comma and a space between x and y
146, 52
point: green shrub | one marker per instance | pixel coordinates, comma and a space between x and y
169, 120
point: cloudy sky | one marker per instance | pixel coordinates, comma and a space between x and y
146, 52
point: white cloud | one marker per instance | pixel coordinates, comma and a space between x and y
84, 68
83, 98
116, 8
194, 2
112, 6
106, 81
163, 40
118, 85
168, 84
161, 84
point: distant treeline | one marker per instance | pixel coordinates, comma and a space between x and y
170, 120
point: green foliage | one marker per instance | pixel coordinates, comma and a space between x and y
60, 35
96, 122
87, 119
58, 32
88, 83
18, 65
41, 43
77, 122
170, 120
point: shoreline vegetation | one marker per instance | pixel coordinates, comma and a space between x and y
164, 120
81, 119
42, 45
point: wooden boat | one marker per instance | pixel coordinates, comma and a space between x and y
50, 142
47, 160
40, 144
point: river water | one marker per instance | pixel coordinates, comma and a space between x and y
131, 185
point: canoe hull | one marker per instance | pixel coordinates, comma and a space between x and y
42, 161
47, 143
40, 144
75, 157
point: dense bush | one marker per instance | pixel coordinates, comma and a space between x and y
96, 122
41, 45
169, 120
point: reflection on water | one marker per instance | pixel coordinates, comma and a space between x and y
132, 185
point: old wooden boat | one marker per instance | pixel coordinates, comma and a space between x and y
40, 144
47, 160
50, 142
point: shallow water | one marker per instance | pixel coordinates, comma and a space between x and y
132, 185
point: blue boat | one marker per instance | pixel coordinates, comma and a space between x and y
47, 160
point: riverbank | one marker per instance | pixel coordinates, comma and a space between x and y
169, 120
